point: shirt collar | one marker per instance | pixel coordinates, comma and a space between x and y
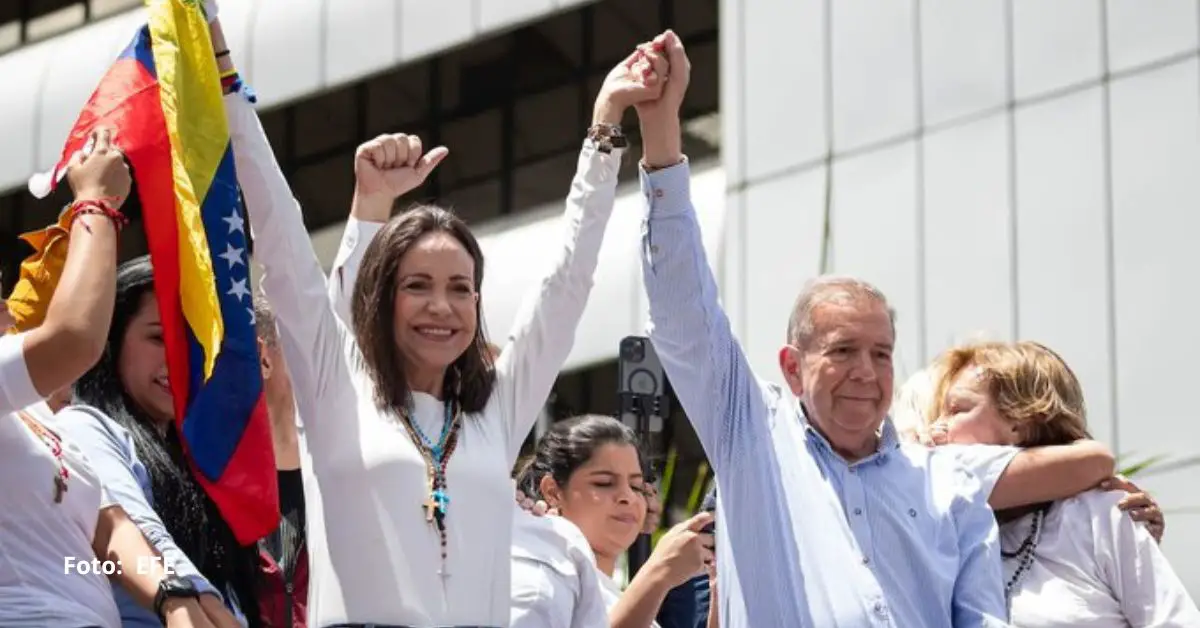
889, 438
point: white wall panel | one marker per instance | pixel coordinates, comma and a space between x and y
1140, 33
1156, 157
1062, 278
968, 278
1056, 44
873, 76
497, 14
360, 38
286, 68
785, 107
875, 236
963, 57
26, 67
427, 27
784, 224
731, 42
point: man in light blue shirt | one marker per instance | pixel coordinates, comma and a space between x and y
825, 519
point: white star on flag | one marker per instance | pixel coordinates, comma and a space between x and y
253, 318
235, 222
232, 254
239, 289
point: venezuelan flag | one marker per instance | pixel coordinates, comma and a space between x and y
163, 96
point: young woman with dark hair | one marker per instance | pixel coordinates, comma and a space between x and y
125, 422
589, 470
411, 426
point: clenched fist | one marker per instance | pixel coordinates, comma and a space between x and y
393, 165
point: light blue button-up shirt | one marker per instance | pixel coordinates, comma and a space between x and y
902, 538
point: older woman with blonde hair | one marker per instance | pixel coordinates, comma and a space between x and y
1070, 562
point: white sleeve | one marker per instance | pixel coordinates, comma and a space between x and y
544, 330
16, 386
1134, 568
986, 462
346, 263
293, 279
541, 596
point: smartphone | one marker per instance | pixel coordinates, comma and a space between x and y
641, 383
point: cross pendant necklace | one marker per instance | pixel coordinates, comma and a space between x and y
430, 504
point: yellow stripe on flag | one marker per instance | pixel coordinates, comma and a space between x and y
190, 89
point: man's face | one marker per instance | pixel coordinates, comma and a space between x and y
843, 374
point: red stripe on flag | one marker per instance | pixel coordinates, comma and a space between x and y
252, 507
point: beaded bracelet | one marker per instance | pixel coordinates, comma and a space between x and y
98, 207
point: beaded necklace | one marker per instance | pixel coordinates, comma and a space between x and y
436, 457
1024, 556
53, 442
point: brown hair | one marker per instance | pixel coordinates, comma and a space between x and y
471, 377
1031, 385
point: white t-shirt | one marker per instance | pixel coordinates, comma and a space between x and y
373, 556
1094, 567
37, 535
555, 583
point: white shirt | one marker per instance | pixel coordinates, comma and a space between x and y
37, 535
555, 583
1094, 567
611, 591
373, 556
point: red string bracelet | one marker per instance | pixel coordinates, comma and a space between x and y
98, 207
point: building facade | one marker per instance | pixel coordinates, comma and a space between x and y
1011, 169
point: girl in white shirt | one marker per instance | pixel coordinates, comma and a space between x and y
1074, 562
588, 470
411, 427
56, 519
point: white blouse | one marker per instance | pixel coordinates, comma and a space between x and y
43, 542
373, 556
1094, 567
555, 583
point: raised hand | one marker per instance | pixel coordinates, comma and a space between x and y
99, 173
684, 551
1139, 504
661, 132
386, 168
637, 79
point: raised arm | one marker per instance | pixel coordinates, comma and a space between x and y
71, 339
292, 276
544, 330
385, 169
691, 333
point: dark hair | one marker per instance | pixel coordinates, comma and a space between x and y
470, 378
189, 515
569, 445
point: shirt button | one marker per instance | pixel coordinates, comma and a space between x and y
658, 193
880, 609
654, 249
866, 561
912, 512
858, 511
